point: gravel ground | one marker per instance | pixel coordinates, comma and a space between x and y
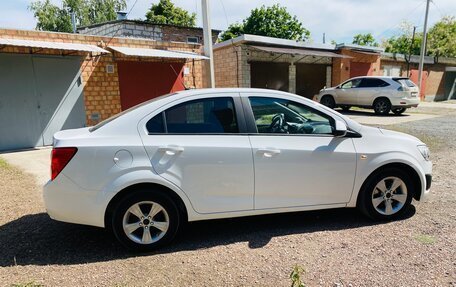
335, 247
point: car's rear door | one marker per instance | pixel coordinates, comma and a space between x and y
302, 164
370, 89
197, 144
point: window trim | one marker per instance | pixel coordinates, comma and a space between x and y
252, 127
238, 110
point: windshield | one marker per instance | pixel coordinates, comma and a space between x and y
110, 119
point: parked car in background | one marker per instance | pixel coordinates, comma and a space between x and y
383, 94
219, 153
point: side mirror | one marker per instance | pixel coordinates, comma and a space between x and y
340, 129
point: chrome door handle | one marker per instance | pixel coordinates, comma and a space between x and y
171, 150
268, 152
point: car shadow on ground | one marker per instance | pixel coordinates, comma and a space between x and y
38, 240
369, 113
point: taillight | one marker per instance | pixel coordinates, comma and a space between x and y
61, 156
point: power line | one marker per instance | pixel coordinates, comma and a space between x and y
120, 28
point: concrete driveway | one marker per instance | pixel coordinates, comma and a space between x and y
35, 161
367, 117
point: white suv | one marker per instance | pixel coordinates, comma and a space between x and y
383, 94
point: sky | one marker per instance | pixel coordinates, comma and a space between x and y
338, 19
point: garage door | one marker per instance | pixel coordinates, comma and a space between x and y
39, 96
310, 79
266, 75
360, 69
142, 81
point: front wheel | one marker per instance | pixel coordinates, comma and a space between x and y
398, 111
145, 220
328, 101
386, 195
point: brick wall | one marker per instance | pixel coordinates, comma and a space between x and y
227, 63
141, 29
101, 89
341, 66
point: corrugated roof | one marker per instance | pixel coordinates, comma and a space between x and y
146, 52
52, 45
297, 51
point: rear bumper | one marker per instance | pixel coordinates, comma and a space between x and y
405, 102
65, 201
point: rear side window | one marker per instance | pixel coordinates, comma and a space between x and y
405, 82
204, 116
373, 83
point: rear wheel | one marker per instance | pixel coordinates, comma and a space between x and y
328, 101
382, 106
145, 220
398, 111
386, 195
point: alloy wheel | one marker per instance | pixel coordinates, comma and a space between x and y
389, 195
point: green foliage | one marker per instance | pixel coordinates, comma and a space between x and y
295, 276
401, 44
442, 38
166, 13
273, 21
53, 18
365, 40
425, 239
4, 164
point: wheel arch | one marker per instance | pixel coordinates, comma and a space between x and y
154, 187
381, 98
409, 170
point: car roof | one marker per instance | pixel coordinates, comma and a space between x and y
379, 77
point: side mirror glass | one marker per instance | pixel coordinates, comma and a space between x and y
340, 129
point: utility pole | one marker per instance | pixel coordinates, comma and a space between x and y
410, 52
207, 31
73, 21
324, 38
423, 47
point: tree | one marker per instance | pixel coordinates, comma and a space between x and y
53, 18
364, 40
442, 38
273, 21
166, 13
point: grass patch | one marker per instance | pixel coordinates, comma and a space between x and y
29, 284
425, 239
4, 164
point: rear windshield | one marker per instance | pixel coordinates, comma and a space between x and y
406, 82
108, 120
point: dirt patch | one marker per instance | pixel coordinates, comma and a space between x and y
335, 247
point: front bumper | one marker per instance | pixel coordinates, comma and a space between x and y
428, 181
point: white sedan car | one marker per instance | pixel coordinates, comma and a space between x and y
383, 94
219, 153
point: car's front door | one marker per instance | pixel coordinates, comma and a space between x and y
197, 145
347, 92
298, 162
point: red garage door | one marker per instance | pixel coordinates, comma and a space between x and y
360, 69
142, 81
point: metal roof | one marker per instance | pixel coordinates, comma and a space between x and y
299, 51
270, 41
146, 52
52, 45
359, 48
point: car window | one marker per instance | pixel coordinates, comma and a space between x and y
351, 84
373, 83
405, 82
280, 116
210, 115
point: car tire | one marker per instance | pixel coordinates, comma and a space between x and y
139, 230
345, 108
386, 195
398, 111
328, 101
382, 106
